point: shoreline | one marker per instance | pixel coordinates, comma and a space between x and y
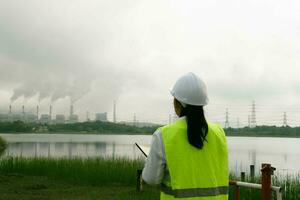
136, 134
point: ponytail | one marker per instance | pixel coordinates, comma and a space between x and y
197, 127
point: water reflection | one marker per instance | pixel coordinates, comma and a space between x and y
58, 149
282, 153
285, 162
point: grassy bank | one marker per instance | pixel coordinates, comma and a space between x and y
106, 177
24, 187
96, 171
3, 146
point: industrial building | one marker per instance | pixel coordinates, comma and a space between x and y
101, 117
60, 119
30, 118
17, 117
4, 118
46, 118
72, 118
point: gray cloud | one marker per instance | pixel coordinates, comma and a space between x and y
54, 52
57, 51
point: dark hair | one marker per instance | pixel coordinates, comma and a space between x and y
197, 127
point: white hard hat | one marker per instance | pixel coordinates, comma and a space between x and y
190, 89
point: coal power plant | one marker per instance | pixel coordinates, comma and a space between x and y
44, 117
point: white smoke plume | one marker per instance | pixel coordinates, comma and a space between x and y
75, 90
27, 91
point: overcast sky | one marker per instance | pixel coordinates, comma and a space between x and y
92, 52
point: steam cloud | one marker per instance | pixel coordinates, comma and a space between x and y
55, 49
53, 57
74, 90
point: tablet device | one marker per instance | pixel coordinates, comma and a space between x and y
145, 150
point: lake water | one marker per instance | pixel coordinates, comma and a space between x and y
282, 153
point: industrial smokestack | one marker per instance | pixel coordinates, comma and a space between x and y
23, 111
71, 110
87, 116
50, 112
37, 112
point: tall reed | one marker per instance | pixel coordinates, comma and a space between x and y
121, 171
3, 146
94, 171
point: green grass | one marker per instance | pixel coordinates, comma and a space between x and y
289, 183
24, 187
93, 171
117, 175
3, 145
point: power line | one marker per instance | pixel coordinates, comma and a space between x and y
249, 121
284, 119
227, 119
134, 120
253, 115
115, 114
87, 116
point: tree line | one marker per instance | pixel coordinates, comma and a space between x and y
264, 131
88, 127
116, 128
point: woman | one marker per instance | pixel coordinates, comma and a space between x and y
189, 157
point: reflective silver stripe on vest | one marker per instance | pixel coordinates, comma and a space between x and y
195, 192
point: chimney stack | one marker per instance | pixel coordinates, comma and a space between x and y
23, 112
50, 112
71, 110
37, 112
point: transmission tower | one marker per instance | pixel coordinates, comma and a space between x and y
134, 120
284, 119
227, 119
87, 116
238, 122
253, 115
23, 113
249, 121
115, 114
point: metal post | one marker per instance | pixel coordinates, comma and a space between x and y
243, 176
237, 189
236, 193
114, 150
252, 173
267, 171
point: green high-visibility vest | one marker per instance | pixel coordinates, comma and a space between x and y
195, 174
